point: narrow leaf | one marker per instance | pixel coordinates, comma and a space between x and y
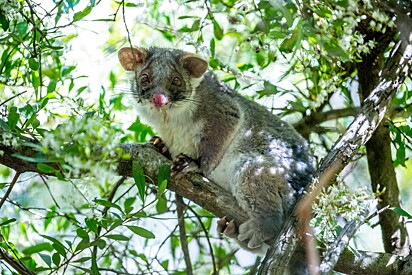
8, 222
108, 204
141, 231
139, 179
37, 248
399, 211
45, 168
117, 237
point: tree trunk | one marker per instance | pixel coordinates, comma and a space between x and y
378, 148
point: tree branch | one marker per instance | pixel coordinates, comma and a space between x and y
357, 134
182, 233
193, 186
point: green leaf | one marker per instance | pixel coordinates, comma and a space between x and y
165, 264
46, 259
161, 189
82, 260
128, 202
56, 259
57, 245
117, 237
217, 30
91, 224
401, 154
139, 178
4, 125
212, 47
81, 14
334, 49
115, 224
45, 168
35, 80
4, 22
27, 111
399, 211
40, 158
52, 86
95, 268
82, 245
108, 204
161, 205
100, 243
280, 6
37, 248
290, 43
13, 118
9, 221
67, 70
33, 64
82, 233
196, 25
270, 89
141, 231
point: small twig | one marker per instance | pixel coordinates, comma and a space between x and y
16, 264
182, 233
48, 189
13, 182
11, 98
207, 238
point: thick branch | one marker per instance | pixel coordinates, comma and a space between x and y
307, 124
370, 263
378, 148
193, 186
357, 134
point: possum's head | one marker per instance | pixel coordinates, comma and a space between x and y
163, 77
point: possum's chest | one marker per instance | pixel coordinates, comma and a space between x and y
181, 138
177, 129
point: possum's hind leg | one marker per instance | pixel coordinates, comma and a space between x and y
266, 196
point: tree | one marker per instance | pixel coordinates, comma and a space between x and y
334, 68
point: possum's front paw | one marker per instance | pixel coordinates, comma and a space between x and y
253, 234
160, 146
182, 164
227, 228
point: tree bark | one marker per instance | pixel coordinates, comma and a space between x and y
358, 133
378, 148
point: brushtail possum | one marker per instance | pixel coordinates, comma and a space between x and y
235, 142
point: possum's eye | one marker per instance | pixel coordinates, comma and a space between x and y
177, 81
144, 80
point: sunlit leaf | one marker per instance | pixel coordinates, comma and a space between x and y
33, 64
81, 14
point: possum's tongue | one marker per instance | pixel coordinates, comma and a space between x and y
159, 100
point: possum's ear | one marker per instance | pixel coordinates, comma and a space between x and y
131, 58
195, 65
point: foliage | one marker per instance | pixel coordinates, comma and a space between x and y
300, 54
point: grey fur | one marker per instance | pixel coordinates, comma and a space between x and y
237, 143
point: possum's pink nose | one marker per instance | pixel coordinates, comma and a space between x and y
159, 100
